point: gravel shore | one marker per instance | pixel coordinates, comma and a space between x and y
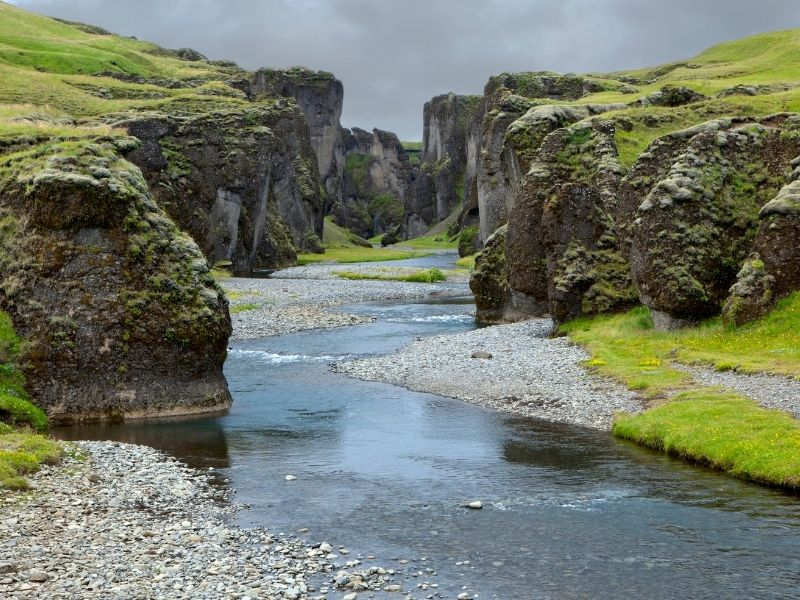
770, 391
281, 305
124, 521
528, 373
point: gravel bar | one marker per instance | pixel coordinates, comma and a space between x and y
770, 391
528, 373
121, 521
285, 305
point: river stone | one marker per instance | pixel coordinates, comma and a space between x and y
481, 354
37, 575
475, 505
291, 478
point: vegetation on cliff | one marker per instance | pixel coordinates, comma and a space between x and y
22, 448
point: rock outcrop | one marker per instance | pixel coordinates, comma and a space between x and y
772, 272
121, 314
320, 96
242, 180
440, 184
696, 226
378, 182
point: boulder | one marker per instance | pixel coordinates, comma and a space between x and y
120, 312
696, 226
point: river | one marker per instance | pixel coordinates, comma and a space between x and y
568, 512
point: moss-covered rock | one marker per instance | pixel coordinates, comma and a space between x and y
121, 314
241, 179
697, 224
489, 280
774, 270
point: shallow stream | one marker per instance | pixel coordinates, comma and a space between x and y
568, 512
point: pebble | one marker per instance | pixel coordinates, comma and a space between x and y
291, 478
475, 505
481, 354
150, 527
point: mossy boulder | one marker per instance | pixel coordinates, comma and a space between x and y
697, 224
563, 247
773, 272
121, 314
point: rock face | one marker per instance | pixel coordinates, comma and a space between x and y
121, 313
773, 270
242, 180
697, 225
498, 171
562, 249
440, 184
378, 182
320, 96
489, 280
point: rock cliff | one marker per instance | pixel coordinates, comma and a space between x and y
241, 180
320, 96
378, 182
121, 314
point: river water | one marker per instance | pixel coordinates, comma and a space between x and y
568, 512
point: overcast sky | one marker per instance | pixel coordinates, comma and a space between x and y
393, 55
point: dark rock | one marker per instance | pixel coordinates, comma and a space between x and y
189, 54
121, 315
670, 96
489, 280
696, 226
242, 182
773, 272
392, 236
320, 96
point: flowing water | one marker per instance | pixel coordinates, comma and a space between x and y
568, 512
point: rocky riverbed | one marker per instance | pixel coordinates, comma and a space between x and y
124, 521
285, 304
516, 368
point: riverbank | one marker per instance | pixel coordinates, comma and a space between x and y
527, 373
118, 520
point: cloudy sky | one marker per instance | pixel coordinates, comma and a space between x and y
392, 55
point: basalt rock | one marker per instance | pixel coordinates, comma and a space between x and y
489, 280
498, 172
320, 96
378, 182
773, 271
698, 223
440, 185
241, 180
121, 314
563, 251
670, 96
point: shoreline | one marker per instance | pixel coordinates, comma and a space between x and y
528, 373
117, 520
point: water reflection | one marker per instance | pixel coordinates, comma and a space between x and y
198, 441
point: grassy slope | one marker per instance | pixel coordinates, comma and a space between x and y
21, 450
707, 425
764, 59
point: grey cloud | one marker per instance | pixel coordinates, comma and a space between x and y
393, 55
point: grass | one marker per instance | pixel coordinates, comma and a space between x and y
22, 450
429, 242
358, 254
467, 262
421, 276
240, 308
706, 425
722, 431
